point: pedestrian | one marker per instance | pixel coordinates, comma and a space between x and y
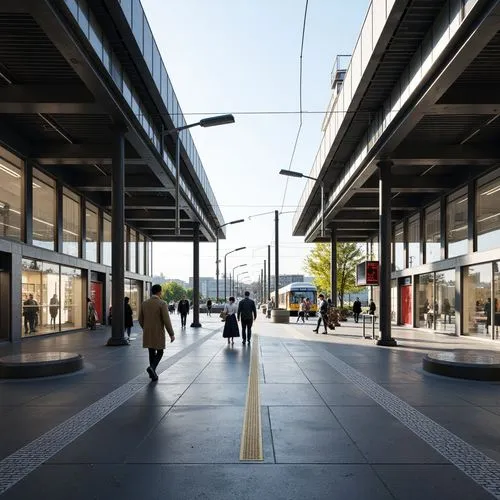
446, 310
209, 307
247, 313
307, 308
91, 314
323, 314
302, 311
154, 319
129, 317
29, 312
53, 310
356, 309
231, 329
372, 308
183, 309
487, 312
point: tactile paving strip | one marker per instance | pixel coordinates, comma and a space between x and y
251, 436
479, 467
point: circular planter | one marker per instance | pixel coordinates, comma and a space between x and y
280, 316
42, 364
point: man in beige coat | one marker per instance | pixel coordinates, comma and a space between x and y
154, 318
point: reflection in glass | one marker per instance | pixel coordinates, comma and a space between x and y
399, 248
10, 195
414, 241
477, 299
432, 234
92, 233
132, 252
106, 240
457, 223
488, 215
445, 297
71, 298
496, 300
44, 211
140, 253
426, 306
71, 224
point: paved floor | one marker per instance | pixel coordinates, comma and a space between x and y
341, 418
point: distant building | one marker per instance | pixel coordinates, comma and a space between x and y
208, 287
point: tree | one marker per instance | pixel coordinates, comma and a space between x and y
171, 290
318, 264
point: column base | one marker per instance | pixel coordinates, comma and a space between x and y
112, 341
387, 342
195, 325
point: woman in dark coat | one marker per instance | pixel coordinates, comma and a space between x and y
231, 328
129, 319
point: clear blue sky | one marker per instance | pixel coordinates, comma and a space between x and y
240, 56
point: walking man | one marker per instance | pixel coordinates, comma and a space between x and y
183, 309
209, 307
356, 309
154, 318
323, 314
247, 313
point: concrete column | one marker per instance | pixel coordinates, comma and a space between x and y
117, 233
333, 267
196, 276
384, 250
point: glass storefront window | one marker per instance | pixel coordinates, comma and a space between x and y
374, 249
132, 253
399, 248
72, 298
10, 195
140, 253
457, 223
125, 248
477, 296
106, 240
445, 297
44, 211
92, 233
414, 241
71, 224
488, 215
394, 301
133, 290
432, 234
427, 307
496, 301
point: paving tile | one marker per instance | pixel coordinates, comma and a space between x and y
214, 394
345, 394
426, 395
289, 395
157, 395
310, 435
283, 373
383, 439
229, 373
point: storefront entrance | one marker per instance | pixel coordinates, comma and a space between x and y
96, 297
406, 305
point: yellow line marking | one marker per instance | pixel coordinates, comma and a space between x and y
251, 435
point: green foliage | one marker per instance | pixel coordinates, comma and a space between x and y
318, 264
172, 291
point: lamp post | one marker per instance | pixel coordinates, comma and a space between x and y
292, 173
232, 273
225, 269
217, 251
213, 121
238, 280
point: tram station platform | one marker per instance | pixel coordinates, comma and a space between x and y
340, 417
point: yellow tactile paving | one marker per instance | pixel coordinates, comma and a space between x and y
251, 435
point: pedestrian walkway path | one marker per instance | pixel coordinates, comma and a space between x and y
340, 418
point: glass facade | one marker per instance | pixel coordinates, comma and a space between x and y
72, 298
488, 214
106, 240
457, 223
133, 290
11, 182
399, 248
44, 211
477, 301
71, 224
445, 298
140, 253
426, 305
414, 241
432, 234
132, 251
91, 233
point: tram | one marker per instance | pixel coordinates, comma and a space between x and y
290, 297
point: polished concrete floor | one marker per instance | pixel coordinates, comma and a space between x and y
341, 418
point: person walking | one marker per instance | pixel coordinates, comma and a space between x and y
302, 311
29, 312
307, 308
356, 309
323, 314
91, 314
53, 310
487, 312
183, 310
372, 308
231, 329
129, 317
209, 307
247, 313
154, 319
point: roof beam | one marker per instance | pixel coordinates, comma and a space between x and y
464, 109
455, 154
471, 93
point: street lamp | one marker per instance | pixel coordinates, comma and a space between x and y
232, 273
213, 121
238, 280
292, 173
217, 250
225, 267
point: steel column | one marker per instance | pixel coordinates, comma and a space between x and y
265, 281
333, 267
59, 218
217, 263
384, 251
268, 272
83, 227
28, 203
117, 244
196, 276
471, 216
276, 258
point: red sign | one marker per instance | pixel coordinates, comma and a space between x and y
372, 272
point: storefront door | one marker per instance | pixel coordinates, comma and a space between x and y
406, 305
96, 296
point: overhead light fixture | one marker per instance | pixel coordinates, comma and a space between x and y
494, 189
9, 171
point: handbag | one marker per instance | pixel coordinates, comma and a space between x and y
223, 315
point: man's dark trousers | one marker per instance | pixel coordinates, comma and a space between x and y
246, 329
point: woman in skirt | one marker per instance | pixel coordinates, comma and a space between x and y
231, 328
